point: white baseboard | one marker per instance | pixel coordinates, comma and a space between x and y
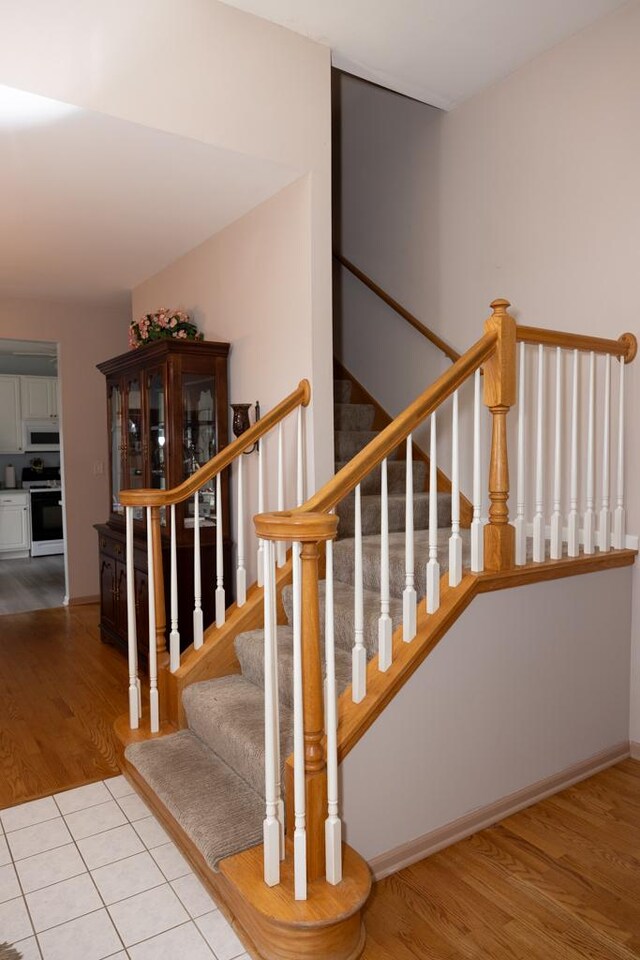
634, 750
428, 843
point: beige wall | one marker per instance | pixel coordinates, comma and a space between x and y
528, 191
250, 285
200, 69
86, 334
518, 691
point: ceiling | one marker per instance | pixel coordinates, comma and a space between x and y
92, 205
35, 357
437, 51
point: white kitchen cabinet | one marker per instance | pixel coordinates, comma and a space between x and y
15, 538
39, 396
10, 415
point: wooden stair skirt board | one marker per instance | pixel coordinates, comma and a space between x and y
271, 924
429, 843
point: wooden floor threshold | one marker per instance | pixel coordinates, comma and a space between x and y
270, 922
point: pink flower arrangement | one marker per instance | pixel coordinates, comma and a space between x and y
162, 325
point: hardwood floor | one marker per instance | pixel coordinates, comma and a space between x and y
559, 881
60, 692
32, 583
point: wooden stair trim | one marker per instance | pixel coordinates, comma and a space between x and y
270, 923
382, 419
356, 718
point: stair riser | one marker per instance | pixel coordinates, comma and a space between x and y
371, 508
396, 477
353, 416
342, 391
250, 652
350, 442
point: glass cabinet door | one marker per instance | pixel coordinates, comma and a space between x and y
199, 442
157, 427
117, 446
134, 446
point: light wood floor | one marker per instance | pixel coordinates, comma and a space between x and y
60, 692
32, 583
559, 881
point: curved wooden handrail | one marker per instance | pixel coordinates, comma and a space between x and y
162, 498
625, 346
399, 429
433, 338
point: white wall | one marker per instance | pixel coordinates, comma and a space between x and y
199, 69
87, 334
527, 191
223, 285
527, 683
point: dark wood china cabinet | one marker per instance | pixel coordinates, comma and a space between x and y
166, 416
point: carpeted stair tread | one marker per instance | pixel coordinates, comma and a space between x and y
344, 567
370, 513
227, 714
249, 649
353, 416
342, 391
350, 442
218, 811
396, 477
344, 619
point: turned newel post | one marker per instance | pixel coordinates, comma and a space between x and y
499, 396
311, 530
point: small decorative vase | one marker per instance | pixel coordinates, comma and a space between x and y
240, 418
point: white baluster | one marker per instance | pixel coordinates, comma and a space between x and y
241, 570
281, 547
220, 595
573, 538
590, 512
359, 655
538, 519
433, 567
455, 540
276, 712
619, 517
409, 596
477, 533
132, 639
556, 517
260, 558
300, 460
521, 520
384, 621
198, 628
271, 825
605, 509
154, 699
174, 636
299, 792
333, 825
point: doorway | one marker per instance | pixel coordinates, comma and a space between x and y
33, 561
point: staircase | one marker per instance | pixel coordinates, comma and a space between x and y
210, 777
362, 600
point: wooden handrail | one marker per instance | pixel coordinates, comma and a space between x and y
625, 346
399, 429
433, 338
161, 498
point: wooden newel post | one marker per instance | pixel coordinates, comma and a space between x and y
499, 396
311, 530
161, 616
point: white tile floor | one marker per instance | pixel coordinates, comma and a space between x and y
90, 874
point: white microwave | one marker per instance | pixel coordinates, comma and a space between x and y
41, 434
